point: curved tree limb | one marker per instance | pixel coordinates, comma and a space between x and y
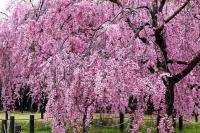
162, 3
193, 63
177, 11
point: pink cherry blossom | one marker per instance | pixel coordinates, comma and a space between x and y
86, 55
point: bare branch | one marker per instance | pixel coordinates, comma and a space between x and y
177, 11
162, 3
178, 62
193, 63
136, 30
143, 7
61, 27
116, 2
41, 4
31, 3
4, 14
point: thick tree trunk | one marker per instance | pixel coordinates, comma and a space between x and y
196, 117
131, 122
42, 115
121, 121
6, 115
22, 107
85, 129
173, 120
163, 59
100, 117
42, 110
168, 81
180, 125
170, 97
132, 104
170, 101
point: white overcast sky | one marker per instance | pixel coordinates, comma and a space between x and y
3, 5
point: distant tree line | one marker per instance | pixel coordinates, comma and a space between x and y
25, 101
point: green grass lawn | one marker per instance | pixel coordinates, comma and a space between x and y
109, 126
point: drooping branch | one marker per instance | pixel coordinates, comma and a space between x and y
143, 7
31, 3
177, 11
116, 2
193, 63
137, 30
178, 62
41, 4
61, 27
4, 14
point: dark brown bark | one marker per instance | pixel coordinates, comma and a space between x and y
170, 96
177, 11
162, 63
173, 120
6, 115
121, 121
193, 63
42, 115
85, 129
180, 123
162, 3
196, 117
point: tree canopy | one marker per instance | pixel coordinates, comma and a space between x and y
94, 54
